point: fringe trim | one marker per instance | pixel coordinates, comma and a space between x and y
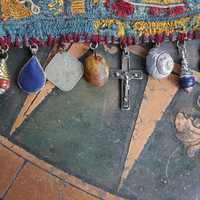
123, 41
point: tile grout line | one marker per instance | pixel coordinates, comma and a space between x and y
63, 180
28, 161
10, 185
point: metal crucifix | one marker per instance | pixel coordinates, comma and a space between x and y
125, 74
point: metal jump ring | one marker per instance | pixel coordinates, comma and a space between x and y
35, 9
36, 46
64, 44
7, 48
93, 48
158, 44
181, 47
125, 51
6, 56
123, 47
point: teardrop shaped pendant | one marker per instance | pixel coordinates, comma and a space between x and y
32, 78
96, 68
186, 76
4, 76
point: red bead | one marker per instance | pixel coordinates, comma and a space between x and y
5, 84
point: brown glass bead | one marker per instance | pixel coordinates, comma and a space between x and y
96, 69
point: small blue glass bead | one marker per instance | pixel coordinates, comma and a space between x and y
187, 82
32, 78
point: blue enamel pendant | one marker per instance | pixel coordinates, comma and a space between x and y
32, 78
186, 77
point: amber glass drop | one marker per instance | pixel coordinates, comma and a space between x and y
96, 69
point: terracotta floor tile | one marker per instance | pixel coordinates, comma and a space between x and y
9, 165
33, 183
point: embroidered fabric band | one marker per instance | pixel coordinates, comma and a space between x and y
110, 21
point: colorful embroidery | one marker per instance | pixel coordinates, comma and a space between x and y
56, 6
77, 6
109, 21
12, 8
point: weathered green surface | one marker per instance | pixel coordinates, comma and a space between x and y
84, 132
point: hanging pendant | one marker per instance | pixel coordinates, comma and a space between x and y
32, 79
159, 63
186, 77
96, 68
125, 74
64, 71
4, 76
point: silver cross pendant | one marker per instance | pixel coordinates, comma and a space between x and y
125, 74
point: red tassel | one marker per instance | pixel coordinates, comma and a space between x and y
113, 39
16, 42
25, 41
106, 39
68, 37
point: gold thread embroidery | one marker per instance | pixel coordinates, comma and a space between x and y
95, 2
77, 6
146, 27
55, 5
111, 23
96, 25
197, 25
12, 8
34, 8
151, 28
120, 28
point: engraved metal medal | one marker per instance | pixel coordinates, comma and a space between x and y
64, 71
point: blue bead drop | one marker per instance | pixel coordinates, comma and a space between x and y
32, 78
187, 82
